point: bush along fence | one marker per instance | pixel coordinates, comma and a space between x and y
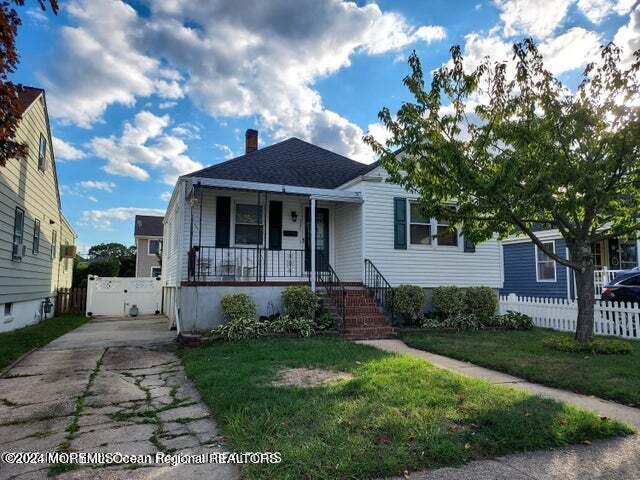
617, 319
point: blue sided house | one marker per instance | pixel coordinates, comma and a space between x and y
529, 272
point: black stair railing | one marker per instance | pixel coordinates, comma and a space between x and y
329, 280
379, 288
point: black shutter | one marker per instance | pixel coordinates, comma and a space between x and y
275, 225
469, 246
400, 223
223, 221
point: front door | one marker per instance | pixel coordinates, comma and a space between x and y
322, 239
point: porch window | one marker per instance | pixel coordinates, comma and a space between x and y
545, 265
446, 236
248, 224
420, 226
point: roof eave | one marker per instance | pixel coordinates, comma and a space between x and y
317, 193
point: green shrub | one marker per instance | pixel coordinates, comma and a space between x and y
299, 302
463, 322
408, 302
481, 302
324, 321
448, 301
512, 321
238, 306
286, 324
601, 346
240, 328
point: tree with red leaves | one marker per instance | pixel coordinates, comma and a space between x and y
9, 59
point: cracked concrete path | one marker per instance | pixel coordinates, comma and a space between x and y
618, 458
111, 385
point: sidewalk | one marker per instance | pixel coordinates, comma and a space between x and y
608, 459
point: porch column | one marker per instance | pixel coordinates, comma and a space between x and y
313, 244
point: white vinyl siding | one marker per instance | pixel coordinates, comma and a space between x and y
348, 241
24, 185
426, 266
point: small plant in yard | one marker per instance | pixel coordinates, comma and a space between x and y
299, 301
514, 321
323, 319
238, 306
240, 328
408, 302
598, 346
286, 324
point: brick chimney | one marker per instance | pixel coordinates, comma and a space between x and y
251, 141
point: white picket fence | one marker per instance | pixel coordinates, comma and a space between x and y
618, 319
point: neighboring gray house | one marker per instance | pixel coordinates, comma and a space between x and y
148, 234
36, 242
251, 223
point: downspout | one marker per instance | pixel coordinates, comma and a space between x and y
568, 275
313, 244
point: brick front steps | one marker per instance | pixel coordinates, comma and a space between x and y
364, 319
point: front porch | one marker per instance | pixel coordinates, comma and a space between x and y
266, 237
612, 256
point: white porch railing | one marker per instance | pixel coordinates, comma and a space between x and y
618, 319
601, 278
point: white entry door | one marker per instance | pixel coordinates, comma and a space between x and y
115, 296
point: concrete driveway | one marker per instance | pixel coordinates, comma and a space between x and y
111, 385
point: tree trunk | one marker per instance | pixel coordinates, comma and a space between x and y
585, 292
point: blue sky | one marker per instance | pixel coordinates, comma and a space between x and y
143, 91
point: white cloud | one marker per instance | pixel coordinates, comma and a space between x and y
145, 142
166, 105
539, 18
236, 60
97, 185
598, 10
65, 151
103, 219
571, 50
92, 198
568, 51
379, 132
37, 15
225, 149
165, 196
628, 36
100, 61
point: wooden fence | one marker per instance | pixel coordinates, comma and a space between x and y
71, 300
618, 319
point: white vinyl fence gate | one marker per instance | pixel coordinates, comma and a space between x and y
115, 296
617, 319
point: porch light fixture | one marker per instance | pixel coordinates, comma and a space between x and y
294, 216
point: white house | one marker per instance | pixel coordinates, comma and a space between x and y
249, 224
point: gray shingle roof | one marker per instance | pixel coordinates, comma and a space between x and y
291, 162
148, 226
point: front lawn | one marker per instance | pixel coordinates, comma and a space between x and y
397, 413
18, 342
521, 353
